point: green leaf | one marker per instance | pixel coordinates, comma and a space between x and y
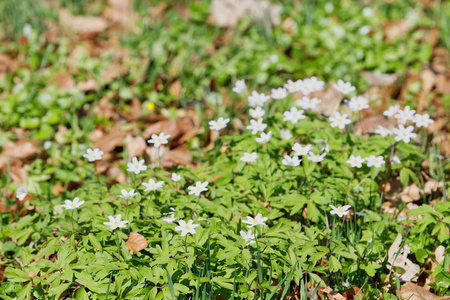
25, 292
16, 275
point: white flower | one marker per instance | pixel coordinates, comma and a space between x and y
367, 12
176, 177
293, 86
316, 157
291, 161
324, 146
21, 193
136, 166
258, 220
115, 222
344, 87
396, 160
279, 93
249, 157
186, 228
264, 138
257, 113
310, 85
392, 110
198, 188
158, 140
340, 211
339, 120
422, 120
346, 284
93, 155
127, 195
358, 103
355, 161
256, 126
240, 86
219, 124
404, 134
307, 103
72, 204
405, 115
365, 30
293, 115
257, 99
152, 185
300, 150
383, 131
171, 218
248, 237
285, 134
375, 161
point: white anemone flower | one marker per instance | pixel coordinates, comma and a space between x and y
21, 193
355, 161
376, 161
240, 86
72, 204
343, 87
339, 120
293, 115
127, 195
158, 140
186, 228
152, 185
258, 220
256, 126
198, 188
93, 155
264, 138
116, 222
404, 134
257, 113
136, 166
249, 157
248, 237
219, 124
291, 161
340, 210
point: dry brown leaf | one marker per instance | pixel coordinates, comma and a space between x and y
61, 134
109, 142
377, 79
166, 126
175, 89
439, 254
64, 81
104, 108
412, 291
177, 156
19, 150
89, 85
370, 124
111, 73
117, 174
398, 257
7, 65
330, 102
135, 145
394, 29
227, 13
82, 25
136, 242
58, 189
352, 292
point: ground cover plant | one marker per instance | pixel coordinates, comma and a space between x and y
179, 164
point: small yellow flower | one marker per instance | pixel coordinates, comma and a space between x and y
151, 106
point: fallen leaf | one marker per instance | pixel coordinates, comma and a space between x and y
370, 124
412, 291
175, 89
58, 189
7, 65
398, 257
439, 254
135, 145
19, 150
136, 242
177, 156
330, 102
394, 29
227, 13
64, 81
352, 292
109, 142
104, 108
82, 25
89, 85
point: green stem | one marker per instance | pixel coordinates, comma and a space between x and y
117, 240
109, 283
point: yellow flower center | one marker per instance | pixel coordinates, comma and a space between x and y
115, 223
151, 106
